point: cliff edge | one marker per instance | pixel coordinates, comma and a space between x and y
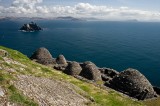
26, 83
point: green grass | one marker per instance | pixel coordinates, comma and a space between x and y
1, 58
14, 95
17, 97
100, 96
5, 78
152, 102
104, 97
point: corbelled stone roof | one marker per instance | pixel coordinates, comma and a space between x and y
134, 84
43, 56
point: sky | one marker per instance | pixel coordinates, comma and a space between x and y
142, 10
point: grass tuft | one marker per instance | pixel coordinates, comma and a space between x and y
17, 97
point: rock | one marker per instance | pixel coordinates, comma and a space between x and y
109, 72
86, 63
3, 53
42, 56
1, 92
90, 71
105, 78
1, 68
61, 60
73, 69
60, 67
133, 83
3, 97
30, 27
10, 70
157, 90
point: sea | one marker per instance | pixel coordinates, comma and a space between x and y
116, 45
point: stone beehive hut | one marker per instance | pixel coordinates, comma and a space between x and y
73, 69
61, 60
42, 56
90, 71
134, 84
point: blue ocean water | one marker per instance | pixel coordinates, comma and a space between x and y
117, 45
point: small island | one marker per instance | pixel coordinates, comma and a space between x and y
31, 27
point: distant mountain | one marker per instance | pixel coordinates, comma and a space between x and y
92, 19
132, 20
69, 18
53, 18
21, 18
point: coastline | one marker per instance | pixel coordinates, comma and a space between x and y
89, 72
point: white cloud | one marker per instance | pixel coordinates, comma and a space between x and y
123, 8
25, 2
31, 8
25, 6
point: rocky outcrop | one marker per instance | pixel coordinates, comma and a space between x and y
42, 56
3, 53
30, 27
108, 74
73, 69
133, 83
90, 71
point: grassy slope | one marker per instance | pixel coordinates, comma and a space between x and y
101, 97
153, 102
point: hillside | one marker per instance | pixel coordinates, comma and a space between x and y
27, 83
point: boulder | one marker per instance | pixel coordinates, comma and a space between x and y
42, 56
133, 83
3, 53
61, 60
73, 69
90, 71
